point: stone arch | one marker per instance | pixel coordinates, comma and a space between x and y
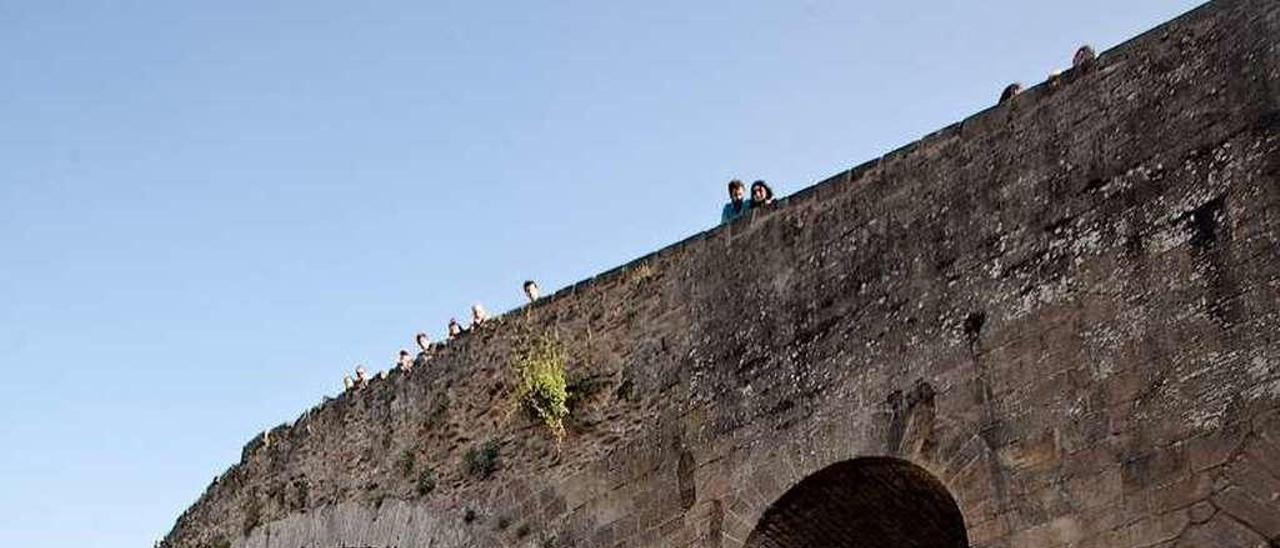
863, 502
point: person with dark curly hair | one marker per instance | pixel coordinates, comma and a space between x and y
761, 194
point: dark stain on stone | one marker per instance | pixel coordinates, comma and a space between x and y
911, 418
1135, 470
1133, 245
715, 525
684, 477
1205, 223
1093, 185
973, 326
897, 421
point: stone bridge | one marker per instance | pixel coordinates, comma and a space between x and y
1056, 323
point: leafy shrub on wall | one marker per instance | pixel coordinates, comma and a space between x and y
541, 389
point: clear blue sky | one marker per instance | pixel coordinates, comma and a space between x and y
210, 210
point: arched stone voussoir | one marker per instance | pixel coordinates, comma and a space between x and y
863, 501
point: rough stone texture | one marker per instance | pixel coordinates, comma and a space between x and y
1064, 309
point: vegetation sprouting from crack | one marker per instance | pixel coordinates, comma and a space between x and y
541, 389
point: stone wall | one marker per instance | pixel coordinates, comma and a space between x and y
1063, 311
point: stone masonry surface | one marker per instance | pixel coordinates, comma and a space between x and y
1064, 309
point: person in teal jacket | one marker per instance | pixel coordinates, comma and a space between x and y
737, 205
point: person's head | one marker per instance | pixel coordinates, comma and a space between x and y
478, 314
531, 290
348, 382
1010, 91
737, 191
455, 328
360, 373
1084, 56
404, 355
761, 194
424, 342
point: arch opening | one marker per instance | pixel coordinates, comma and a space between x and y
865, 502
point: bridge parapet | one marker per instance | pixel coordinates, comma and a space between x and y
1063, 309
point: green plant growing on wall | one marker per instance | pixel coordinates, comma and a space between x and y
407, 462
541, 390
482, 460
426, 481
